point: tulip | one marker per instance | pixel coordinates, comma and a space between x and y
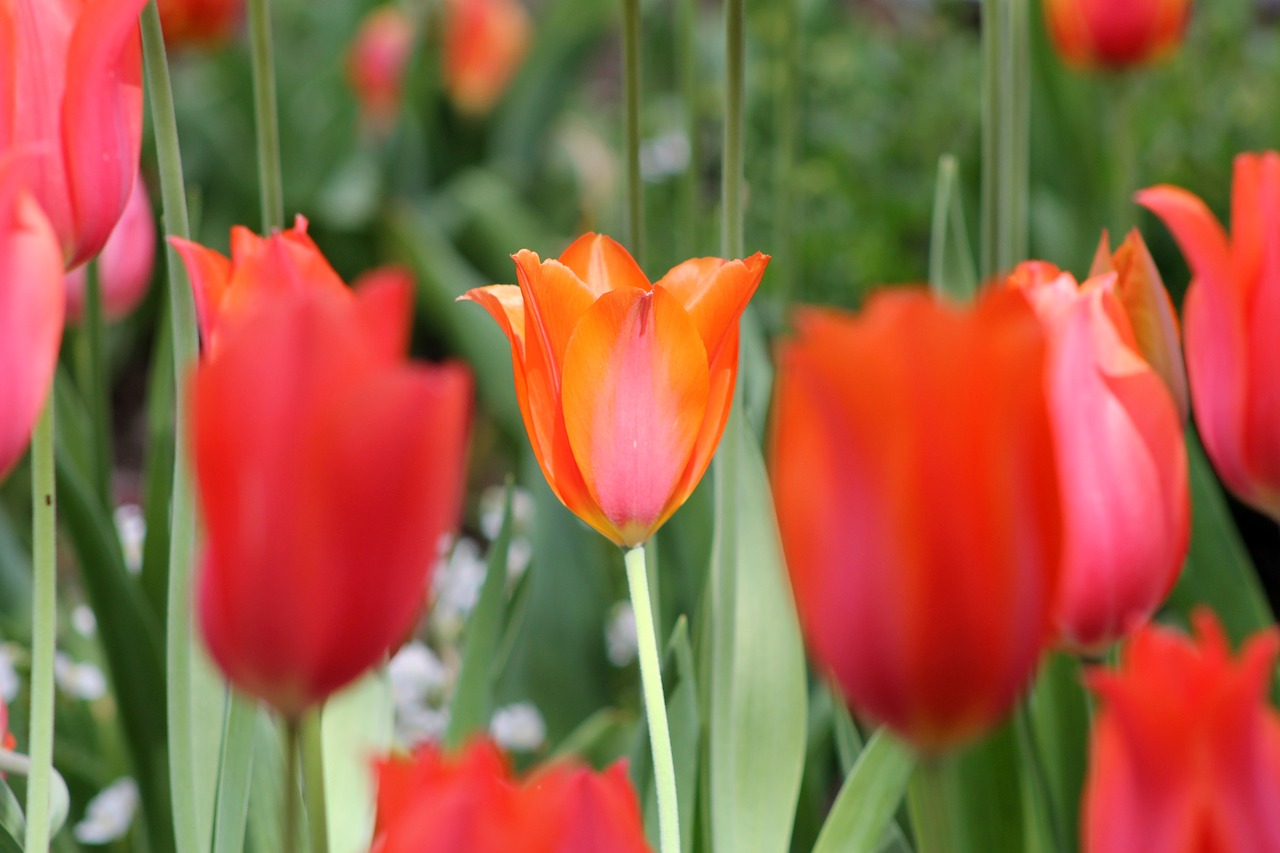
1230, 314
1110, 34
31, 310
328, 470
376, 64
470, 802
125, 265
73, 94
199, 22
484, 43
1122, 463
918, 503
1185, 752
625, 386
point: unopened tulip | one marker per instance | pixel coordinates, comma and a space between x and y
1185, 753
31, 309
1230, 317
329, 468
624, 385
484, 43
1111, 34
1121, 461
199, 22
72, 94
125, 265
913, 469
376, 64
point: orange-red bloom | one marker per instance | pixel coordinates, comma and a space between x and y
328, 470
625, 386
31, 308
71, 91
1121, 460
440, 804
125, 264
484, 43
1185, 754
918, 501
1231, 314
1111, 34
376, 63
199, 22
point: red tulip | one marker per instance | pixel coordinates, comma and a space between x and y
437, 804
199, 22
328, 470
625, 386
1185, 754
1112, 34
376, 64
1231, 312
1121, 461
73, 94
918, 502
31, 307
484, 43
125, 265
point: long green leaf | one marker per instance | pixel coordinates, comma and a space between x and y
357, 726
235, 773
867, 801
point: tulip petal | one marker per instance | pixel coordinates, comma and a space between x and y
603, 264
635, 391
210, 276
555, 298
714, 293
1261, 309
384, 298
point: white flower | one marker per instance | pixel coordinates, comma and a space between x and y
416, 673
131, 527
491, 506
457, 587
9, 681
80, 680
83, 620
420, 724
664, 156
518, 727
620, 635
109, 814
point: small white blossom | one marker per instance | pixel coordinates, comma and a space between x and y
492, 503
80, 680
131, 527
419, 724
9, 681
109, 814
664, 156
518, 727
620, 641
457, 587
83, 620
416, 674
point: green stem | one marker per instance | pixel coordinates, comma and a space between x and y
655, 704
292, 798
1006, 96
1038, 778
312, 745
265, 115
687, 38
632, 76
44, 631
94, 380
931, 815
732, 236
1119, 98
785, 158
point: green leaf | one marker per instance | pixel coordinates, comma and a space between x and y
357, 725
235, 773
865, 806
1059, 710
951, 268
601, 739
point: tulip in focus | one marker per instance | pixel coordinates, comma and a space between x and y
918, 503
1230, 314
328, 470
484, 43
31, 310
199, 22
432, 803
1185, 753
376, 64
1122, 463
625, 386
73, 96
1115, 34
125, 264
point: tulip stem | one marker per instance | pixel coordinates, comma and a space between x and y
635, 183
312, 749
94, 382
931, 815
292, 795
655, 703
271, 190
732, 237
687, 52
1006, 105
44, 630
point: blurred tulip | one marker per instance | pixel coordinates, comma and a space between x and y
125, 265
918, 502
31, 310
73, 94
1185, 753
1122, 463
376, 64
484, 43
328, 468
625, 386
1230, 315
1111, 34
433, 803
199, 22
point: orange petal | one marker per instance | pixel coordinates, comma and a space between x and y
554, 300
603, 264
635, 393
210, 275
714, 293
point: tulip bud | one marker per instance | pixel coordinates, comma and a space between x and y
376, 64
1115, 33
199, 22
125, 265
484, 43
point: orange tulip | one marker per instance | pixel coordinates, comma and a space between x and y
72, 93
918, 502
484, 43
625, 386
1231, 311
376, 64
1111, 34
125, 264
199, 22
1185, 753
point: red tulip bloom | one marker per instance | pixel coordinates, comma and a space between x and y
484, 43
125, 265
31, 307
199, 22
72, 92
376, 64
1231, 312
1121, 461
918, 502
328, 470
438, 804
1185, 754
1115, 33
625, 386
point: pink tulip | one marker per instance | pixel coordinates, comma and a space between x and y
125, 265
